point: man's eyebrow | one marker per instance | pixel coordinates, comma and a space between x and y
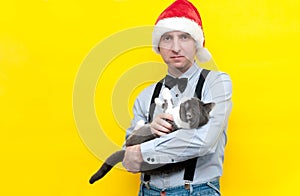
165, 34
184, 33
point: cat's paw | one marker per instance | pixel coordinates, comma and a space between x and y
139, 124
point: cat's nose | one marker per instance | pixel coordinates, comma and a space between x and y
188, 116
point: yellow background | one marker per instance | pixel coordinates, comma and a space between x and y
43, 43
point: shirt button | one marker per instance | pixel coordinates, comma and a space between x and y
148, 159
152, 159
172, 160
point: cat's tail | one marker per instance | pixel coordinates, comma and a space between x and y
110, 162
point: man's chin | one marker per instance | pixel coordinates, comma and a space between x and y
177, 63
180, 65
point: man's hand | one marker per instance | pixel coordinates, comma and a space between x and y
133, 159
160, 126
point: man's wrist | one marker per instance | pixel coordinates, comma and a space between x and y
147, 152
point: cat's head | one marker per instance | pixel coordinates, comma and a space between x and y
195, 112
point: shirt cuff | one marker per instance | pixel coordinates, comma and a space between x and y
151, 156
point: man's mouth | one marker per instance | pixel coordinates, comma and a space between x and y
177, 57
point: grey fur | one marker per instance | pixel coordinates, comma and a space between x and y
192, 111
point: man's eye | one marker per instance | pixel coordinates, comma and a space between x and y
167, 38
185, 36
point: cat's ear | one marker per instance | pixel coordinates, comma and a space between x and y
166, 94
209, 106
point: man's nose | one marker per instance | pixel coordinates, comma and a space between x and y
176, 46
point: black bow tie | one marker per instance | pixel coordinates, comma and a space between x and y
170, 82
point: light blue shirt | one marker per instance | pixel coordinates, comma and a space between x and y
207, 142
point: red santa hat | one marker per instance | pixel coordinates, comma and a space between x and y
183, 16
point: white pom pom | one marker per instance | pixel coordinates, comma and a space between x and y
203, 55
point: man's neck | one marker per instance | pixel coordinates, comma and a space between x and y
178, 72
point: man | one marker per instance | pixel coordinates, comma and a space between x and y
178, 37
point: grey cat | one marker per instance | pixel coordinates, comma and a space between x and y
191, 113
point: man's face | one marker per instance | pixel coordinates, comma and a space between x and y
178, 50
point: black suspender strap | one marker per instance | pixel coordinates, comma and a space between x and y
155, 95
190, 169
156, 92
200, 83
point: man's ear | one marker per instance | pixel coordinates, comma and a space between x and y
209, 106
